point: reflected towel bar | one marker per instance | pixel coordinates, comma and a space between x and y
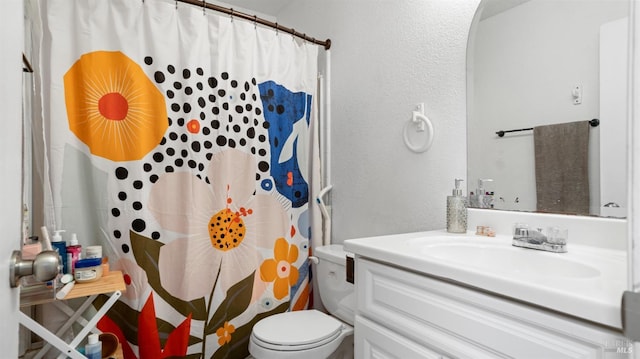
594, 123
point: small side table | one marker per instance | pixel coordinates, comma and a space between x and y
112, 284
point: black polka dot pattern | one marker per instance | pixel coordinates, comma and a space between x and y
207, 113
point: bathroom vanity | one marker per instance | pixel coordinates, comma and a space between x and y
440, 295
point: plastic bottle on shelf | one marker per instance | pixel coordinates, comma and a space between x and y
93, 349
74, 252
61, 246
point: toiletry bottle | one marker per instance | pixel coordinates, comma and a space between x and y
74, 251
472, 200
482, 201
93, 349
25, 223
488, 199
61, 246
46, 241
457, 210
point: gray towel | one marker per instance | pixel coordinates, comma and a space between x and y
562, 177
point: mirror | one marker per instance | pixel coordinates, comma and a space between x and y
534, 63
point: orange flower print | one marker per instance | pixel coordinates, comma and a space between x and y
280, 269
224, 333
113, 107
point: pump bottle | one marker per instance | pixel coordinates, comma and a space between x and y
457, 210
481, 199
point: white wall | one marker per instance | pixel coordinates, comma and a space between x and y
11, 41
524, 78
634, 151
386, 57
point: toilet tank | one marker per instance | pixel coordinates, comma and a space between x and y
337, 295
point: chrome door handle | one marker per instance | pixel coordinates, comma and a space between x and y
44, 267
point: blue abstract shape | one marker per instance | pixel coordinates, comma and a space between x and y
308, 112
282, 109
303, 272
266, 185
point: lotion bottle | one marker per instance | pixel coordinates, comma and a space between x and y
457, 210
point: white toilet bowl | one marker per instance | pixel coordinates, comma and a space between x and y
311, 334
308, 334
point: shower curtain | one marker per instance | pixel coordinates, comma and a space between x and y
180, 140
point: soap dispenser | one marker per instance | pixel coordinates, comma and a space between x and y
457, 210
483, 199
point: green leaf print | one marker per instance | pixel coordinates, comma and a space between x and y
147, 251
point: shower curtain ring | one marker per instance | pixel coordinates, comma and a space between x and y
255, 22
176, 4
204, 6
293, 34
231, 15
276, 29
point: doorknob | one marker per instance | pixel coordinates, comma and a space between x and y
44, 267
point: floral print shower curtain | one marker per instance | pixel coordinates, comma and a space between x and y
179, 140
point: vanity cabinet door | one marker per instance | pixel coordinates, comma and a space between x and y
464, 322
374, 341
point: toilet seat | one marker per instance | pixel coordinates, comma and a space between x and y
295, 331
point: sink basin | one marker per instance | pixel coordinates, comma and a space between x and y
513, 261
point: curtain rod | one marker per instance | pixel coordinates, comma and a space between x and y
256, 19
594, 123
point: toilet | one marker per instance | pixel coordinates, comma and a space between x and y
312, 334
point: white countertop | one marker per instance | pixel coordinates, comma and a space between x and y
595, 296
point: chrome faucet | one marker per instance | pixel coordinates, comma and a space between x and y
555, 239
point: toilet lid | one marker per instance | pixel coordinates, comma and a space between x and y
297, 328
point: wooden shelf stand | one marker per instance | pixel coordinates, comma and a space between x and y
112, 284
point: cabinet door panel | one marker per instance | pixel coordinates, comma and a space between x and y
375, 342
462, 322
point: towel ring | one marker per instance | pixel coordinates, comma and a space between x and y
421, 123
